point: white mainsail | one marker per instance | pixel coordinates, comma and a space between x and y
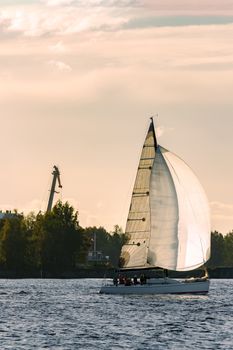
168, 222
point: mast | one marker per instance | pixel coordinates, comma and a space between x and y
56, 177
152, 127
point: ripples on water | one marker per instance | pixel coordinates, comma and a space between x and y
70, 314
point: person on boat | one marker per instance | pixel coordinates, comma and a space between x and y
115, 281
128, 281
143, 279
135, 280
121, 279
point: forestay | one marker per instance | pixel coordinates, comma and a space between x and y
168, 222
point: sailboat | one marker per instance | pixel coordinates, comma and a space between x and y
168, 225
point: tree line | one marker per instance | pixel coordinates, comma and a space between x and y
53, 242
221, 250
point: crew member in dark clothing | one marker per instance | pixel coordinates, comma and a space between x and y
115, 281
143, 279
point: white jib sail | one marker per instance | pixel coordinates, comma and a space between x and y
168, 222
180, 224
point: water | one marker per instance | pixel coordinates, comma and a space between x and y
70, 314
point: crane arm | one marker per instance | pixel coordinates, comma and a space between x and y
56, 176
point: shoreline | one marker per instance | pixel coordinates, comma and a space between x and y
216, 273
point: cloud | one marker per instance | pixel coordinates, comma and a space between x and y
222, 210
57, 2
35, 205
59, 66
39, 21
65, 17
222, 216
86, 217
161, 130
59, 47
191, 6
94, 3
176, 21
171, 64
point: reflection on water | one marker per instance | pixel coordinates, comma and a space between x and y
70, 314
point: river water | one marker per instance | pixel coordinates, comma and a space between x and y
70, 314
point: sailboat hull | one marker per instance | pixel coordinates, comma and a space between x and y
168, 286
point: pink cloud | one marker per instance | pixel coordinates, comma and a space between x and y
59, 66
196, 6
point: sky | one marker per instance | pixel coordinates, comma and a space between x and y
80, 80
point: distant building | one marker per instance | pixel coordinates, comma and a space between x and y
6, 214
95, 256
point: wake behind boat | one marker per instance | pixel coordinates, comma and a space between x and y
168, 224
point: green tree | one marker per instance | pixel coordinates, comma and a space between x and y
109, 244
228, 245
34, 235
118, 239
217, 250
102, 238
54, 241
13, 245
60, 238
